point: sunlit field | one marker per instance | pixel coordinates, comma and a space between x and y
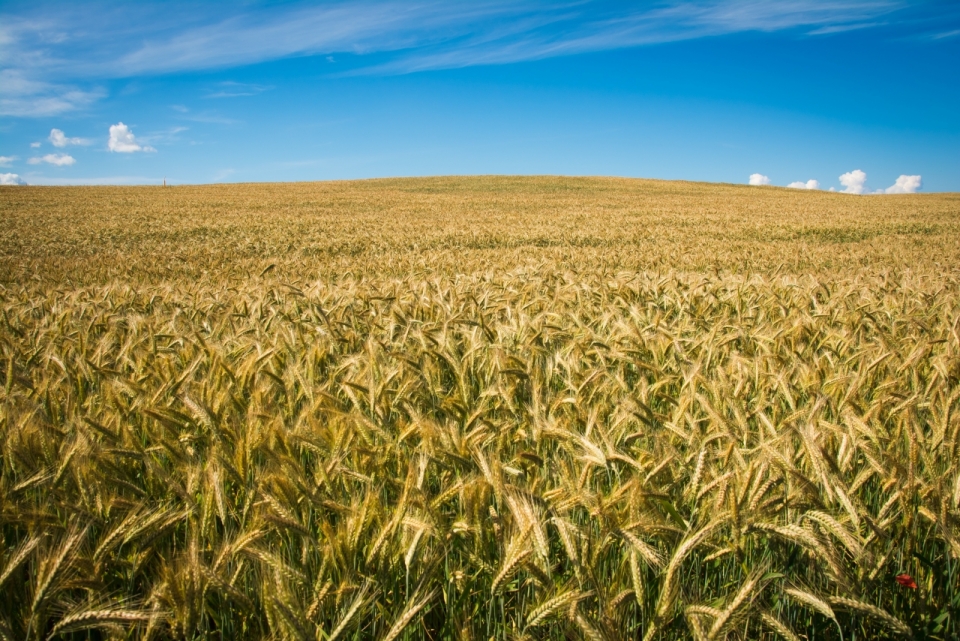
479, 408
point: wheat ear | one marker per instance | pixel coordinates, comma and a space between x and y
778, 627
515, 554
550, 606
357, 602
896, 624
409, 612
93, 618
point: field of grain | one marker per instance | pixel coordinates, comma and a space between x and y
479, 408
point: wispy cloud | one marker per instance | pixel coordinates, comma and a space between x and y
45, 56
206, 116
161, 137
946, 34
6, 161
259, 35
60, 160
209, 118
841, 28
237, 90
25, 97
565, 32
60, 139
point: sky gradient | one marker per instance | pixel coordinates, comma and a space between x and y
797, 92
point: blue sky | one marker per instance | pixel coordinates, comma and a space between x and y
716, 90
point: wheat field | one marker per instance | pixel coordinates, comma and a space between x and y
479, 408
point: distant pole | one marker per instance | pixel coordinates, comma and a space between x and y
164, 181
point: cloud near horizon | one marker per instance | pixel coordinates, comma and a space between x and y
905, 185
854, 182
11, 179
123, 141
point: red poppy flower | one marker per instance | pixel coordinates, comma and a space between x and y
906, 581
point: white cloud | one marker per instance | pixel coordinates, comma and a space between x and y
52, 61
11, 179
22, 96
5, 161
905, 185
759, 179
854, 181
35, 145
60, 160
946, 34
210, 118
149, 38
59, 139
843, 28
810, 184
123, 141
230, 89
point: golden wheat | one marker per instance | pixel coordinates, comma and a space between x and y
474, 408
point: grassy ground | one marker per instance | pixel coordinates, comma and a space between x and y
473, 408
